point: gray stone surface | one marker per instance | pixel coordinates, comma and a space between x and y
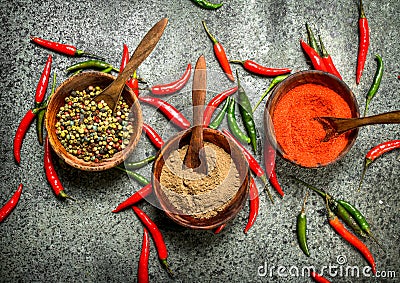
48, 240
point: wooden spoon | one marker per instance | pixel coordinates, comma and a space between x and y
112, 93
195, 157
337, 126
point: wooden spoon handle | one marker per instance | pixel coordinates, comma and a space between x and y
192, 157
143, 50
384, 118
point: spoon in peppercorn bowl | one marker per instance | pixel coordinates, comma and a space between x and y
112, 93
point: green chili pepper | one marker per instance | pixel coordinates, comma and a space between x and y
220, 116
90, 64
337, 208
140, 163
233, 125
311, 39
207, 5
375, 83
273, 83
302, 228
108, 70
139, 178
247, 114
42, 112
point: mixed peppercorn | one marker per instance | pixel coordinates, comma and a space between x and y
89, 130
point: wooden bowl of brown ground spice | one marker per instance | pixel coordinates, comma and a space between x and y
200, 201
120, 151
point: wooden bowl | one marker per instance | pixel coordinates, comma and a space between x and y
314, 77
79, 82
235, 204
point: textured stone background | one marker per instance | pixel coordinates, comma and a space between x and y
47, 240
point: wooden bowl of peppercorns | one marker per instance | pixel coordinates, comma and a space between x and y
86, 134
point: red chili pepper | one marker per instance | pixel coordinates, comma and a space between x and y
351, 238
270, 166
253, 164
172, 87
220, 54
154, 137
66, 49
318, 278
51, 173
43, 82
363, 42
327, 58
168, 110
376, 152
21, 131
135, 198
316, 60
6, 209
125, 57
156, 235
258, 69
215, 102
254, 205
143, 265
219, 229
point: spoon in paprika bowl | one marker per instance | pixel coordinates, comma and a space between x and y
336, 126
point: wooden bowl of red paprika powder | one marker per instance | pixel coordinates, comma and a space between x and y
291, 109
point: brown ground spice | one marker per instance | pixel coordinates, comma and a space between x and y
200, 195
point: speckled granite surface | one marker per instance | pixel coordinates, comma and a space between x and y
47, 240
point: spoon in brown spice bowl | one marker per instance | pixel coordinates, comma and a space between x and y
112, 93
195, 157
336, 126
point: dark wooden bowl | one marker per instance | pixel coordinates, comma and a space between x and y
80, 82
235, 204
315, 77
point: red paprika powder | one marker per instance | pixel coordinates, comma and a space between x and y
299, 134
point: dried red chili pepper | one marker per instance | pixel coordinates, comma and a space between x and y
143, 265
215, 102
255, 167
51, 173
316, 60
172, 87
133, 82
254, 205
376, 152
219, 229
43, 82
326, 57
258, 69
156, 235
220, 54
6, 209
21, 131
168, 110
65, 49
318, 278
135, 198
270, 166
351, 238
154, 137
363, 43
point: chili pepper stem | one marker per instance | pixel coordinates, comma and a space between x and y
64, 195
236, 62
167, 268
264, 179
90, 55
213, 39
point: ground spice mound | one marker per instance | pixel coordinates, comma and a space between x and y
298, 134
200, 195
